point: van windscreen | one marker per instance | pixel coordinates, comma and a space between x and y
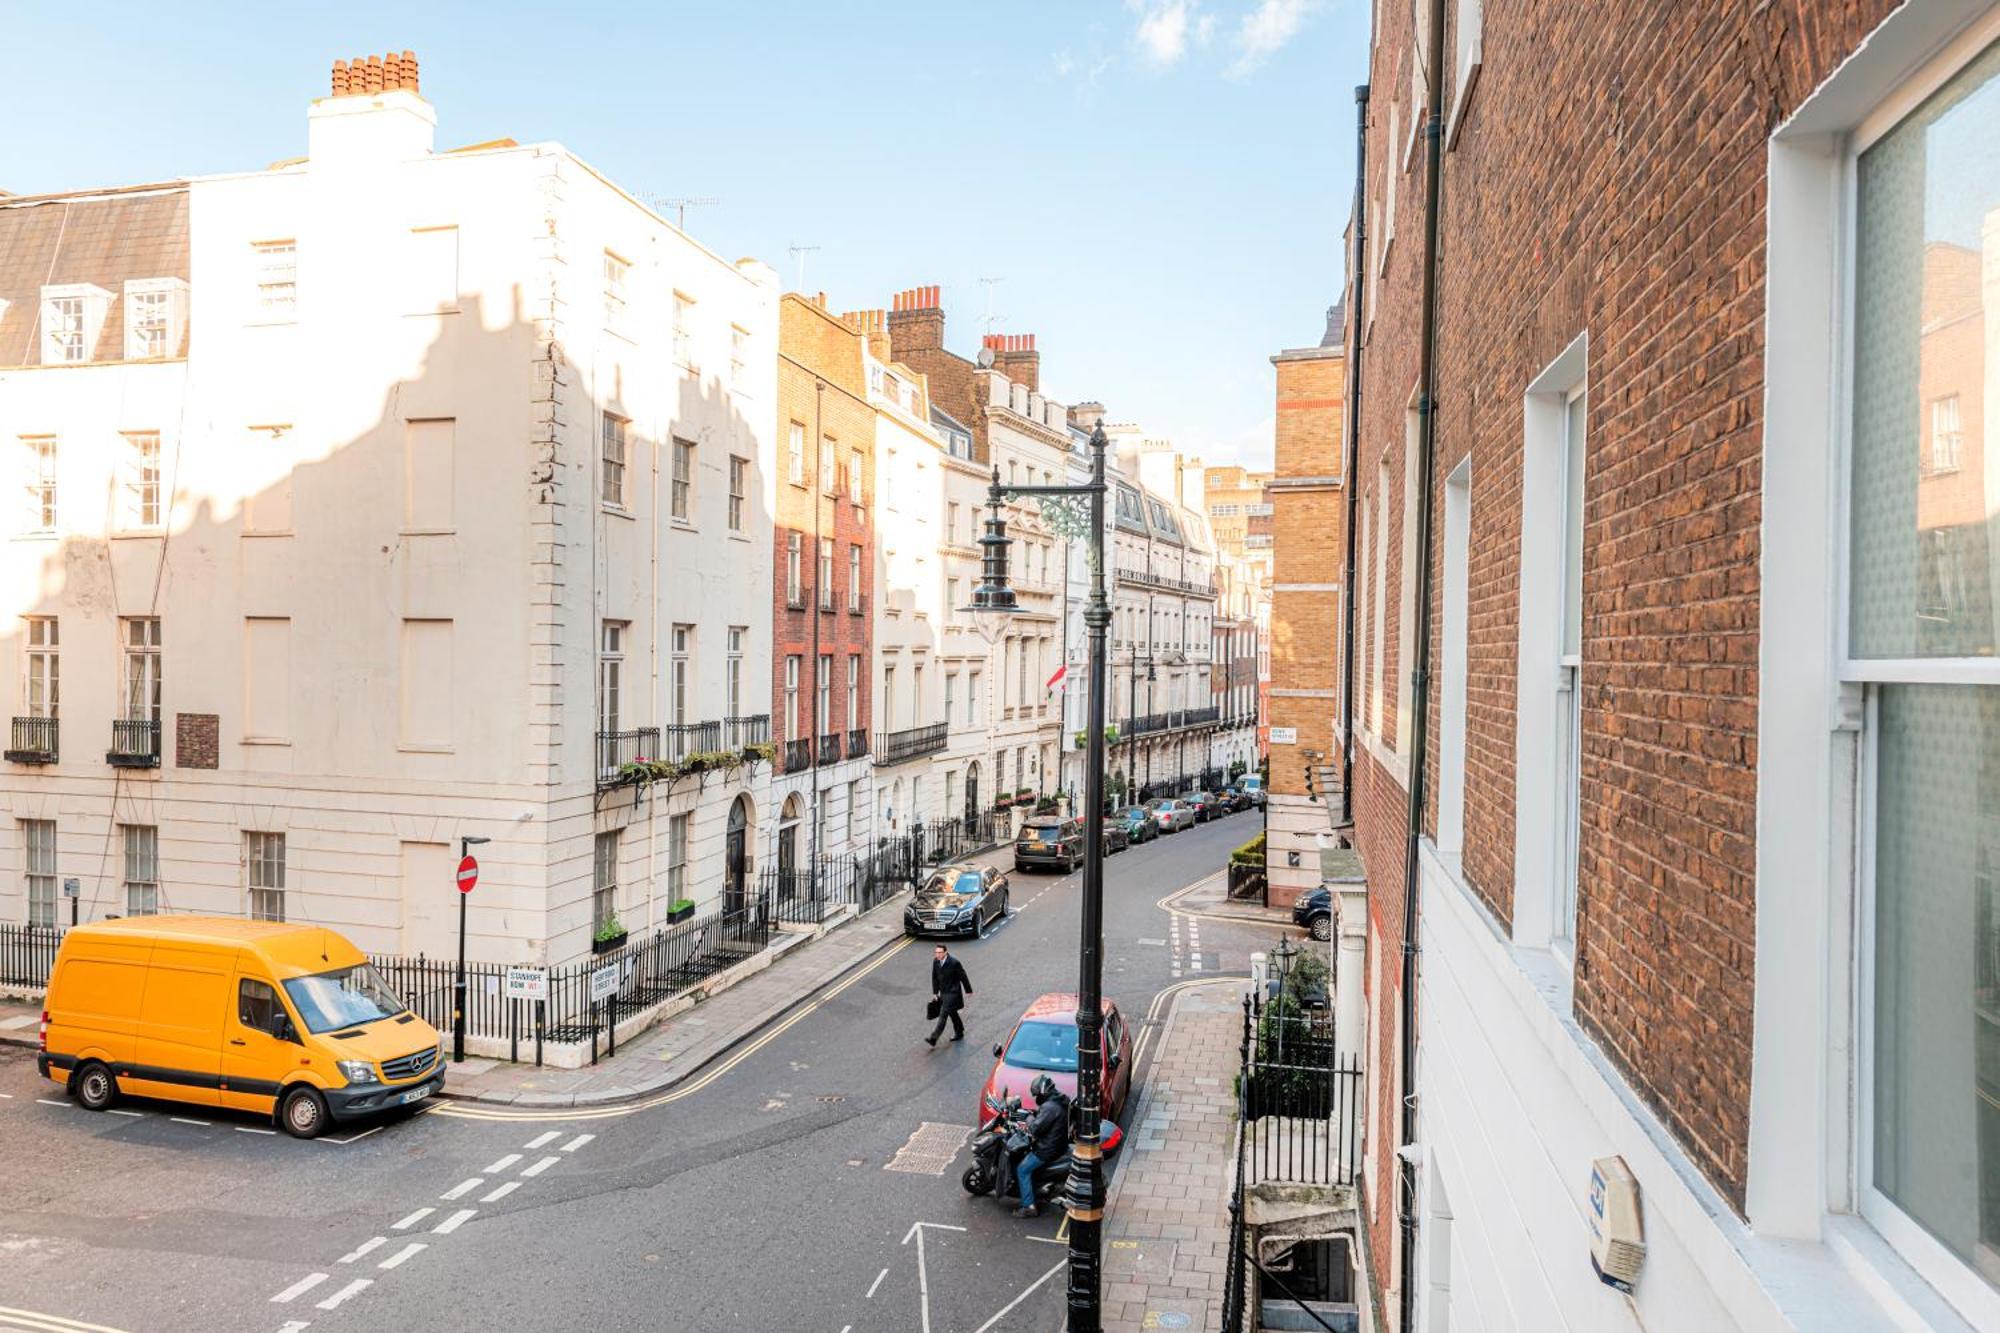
329, 1001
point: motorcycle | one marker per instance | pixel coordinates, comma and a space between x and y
1003, 1140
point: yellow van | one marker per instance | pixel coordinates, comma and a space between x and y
286, 1020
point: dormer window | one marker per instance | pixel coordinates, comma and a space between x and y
155, 314
72, 317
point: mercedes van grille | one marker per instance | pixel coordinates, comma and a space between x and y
409, 1066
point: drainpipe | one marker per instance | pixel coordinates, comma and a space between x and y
1420, 676
1357, 287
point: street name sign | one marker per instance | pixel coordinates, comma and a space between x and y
527, 983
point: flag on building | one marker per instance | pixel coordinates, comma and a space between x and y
1055, 682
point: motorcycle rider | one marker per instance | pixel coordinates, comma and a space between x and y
1048, 1136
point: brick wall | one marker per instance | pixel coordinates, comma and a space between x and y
1629, 207
1307, 523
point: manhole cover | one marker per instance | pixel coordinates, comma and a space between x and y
930, 1149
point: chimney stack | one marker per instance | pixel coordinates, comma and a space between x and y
1014, 356
874, 326
916, 320
367, 75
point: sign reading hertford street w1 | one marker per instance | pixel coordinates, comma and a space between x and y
604, 983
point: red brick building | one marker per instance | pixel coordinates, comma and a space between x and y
824, 563
1710, 722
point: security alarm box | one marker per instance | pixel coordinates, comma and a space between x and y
1617, 1236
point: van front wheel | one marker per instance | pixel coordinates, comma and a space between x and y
302, 1113
94, 1087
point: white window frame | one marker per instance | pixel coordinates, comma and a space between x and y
790, 721
276, 271
680, 681
72, 321
733, 671
825, 567
144, 498
142, 689
42, 465
142, 868
854, 576
823, 696
853, 691
611, 674
680, 837
617, 275
682, 492
41, 668
41, 881
795, 591
150, 302
795, 453
603, 880
615, 447
264, 856
739, 490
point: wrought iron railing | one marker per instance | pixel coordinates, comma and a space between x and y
135, 743
27, 954
857, 743
894, 747
681, 739
617, 748
798, 754
829, 748
33, 741
742, 732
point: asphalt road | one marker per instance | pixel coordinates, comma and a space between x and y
786, 1188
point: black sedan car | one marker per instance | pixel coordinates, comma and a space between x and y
1140, 825
1116, 836
957, 900
1314, 911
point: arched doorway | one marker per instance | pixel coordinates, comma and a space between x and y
788, 836
971, 793
736, 856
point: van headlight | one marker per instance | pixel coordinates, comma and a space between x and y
356, 1071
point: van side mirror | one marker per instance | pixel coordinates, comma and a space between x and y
286, 1032
997, 1050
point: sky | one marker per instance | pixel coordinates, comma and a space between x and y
1159, 186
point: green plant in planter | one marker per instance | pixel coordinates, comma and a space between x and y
680, 909
763, 751
610, 930
1250, 853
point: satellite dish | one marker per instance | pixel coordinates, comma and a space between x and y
986, 358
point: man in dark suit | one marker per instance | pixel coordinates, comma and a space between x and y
949, 987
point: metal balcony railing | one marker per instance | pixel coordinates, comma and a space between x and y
798, 754
829, 748
681, 739
742, 732
33, 741
135, 743
894, 747
857, 743
617, 748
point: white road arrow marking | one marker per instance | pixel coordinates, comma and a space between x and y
1009, 1306
923, 1276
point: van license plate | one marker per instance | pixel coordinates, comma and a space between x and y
416, 1096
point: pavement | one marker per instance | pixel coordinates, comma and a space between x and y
806, 1177
1209, 897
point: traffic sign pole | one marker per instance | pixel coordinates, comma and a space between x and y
468, 875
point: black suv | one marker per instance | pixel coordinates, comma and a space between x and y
1049, 842
1314, 911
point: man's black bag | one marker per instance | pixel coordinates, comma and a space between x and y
931, 1009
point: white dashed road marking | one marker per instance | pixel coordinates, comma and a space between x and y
540, 1166
876, 1283
134, 1114
502, 1192
541, 1139
298, 1289
183, 1120
463, 1188
50, 1101
354, 1288
294, 1326
409, 1251
577, 1142
454, 1222
413, 1219
503, 1164
252, 1129
372, 1243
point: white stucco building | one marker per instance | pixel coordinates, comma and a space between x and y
384, 497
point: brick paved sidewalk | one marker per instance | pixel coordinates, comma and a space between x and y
1167, 1219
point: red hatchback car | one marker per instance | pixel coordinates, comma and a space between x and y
1044, 1042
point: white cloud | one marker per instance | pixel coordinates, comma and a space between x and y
1065, 64
1267, 28
1168, 28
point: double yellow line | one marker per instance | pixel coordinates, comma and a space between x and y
47, 1323
473, 1111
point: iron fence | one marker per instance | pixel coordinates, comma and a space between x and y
27, 955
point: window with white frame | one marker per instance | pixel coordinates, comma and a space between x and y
42, 672
276, 266
72, 318
856, 470
1921, 646
680, 680
683, 481
853, 691
39, 459
38, 837
950, 699
1568, 751
972, 699
155, 313
679, 835
733, 670
617, 276
264, 862
611, 675
142, 479
826, 573
824, 705
795, 454
853, 576
684, 330
142, 691
142, 869
794, 588
604, 881
789, 723
829, 477
614, 449
739, 490
886, 712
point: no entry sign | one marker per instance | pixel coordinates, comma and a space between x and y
468, 874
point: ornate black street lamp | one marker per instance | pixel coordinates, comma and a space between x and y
1085, 1198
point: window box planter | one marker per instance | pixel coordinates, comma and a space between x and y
680, 911
604, 944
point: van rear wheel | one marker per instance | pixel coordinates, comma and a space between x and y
303, 1113
93, 1086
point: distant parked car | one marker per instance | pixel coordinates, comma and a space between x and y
1173, 814
1050, 842
1314, 911
1253, 787
1205, 806
1116, 838
1139, 822
1233, 799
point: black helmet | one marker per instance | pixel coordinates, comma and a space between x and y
1042, 1088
